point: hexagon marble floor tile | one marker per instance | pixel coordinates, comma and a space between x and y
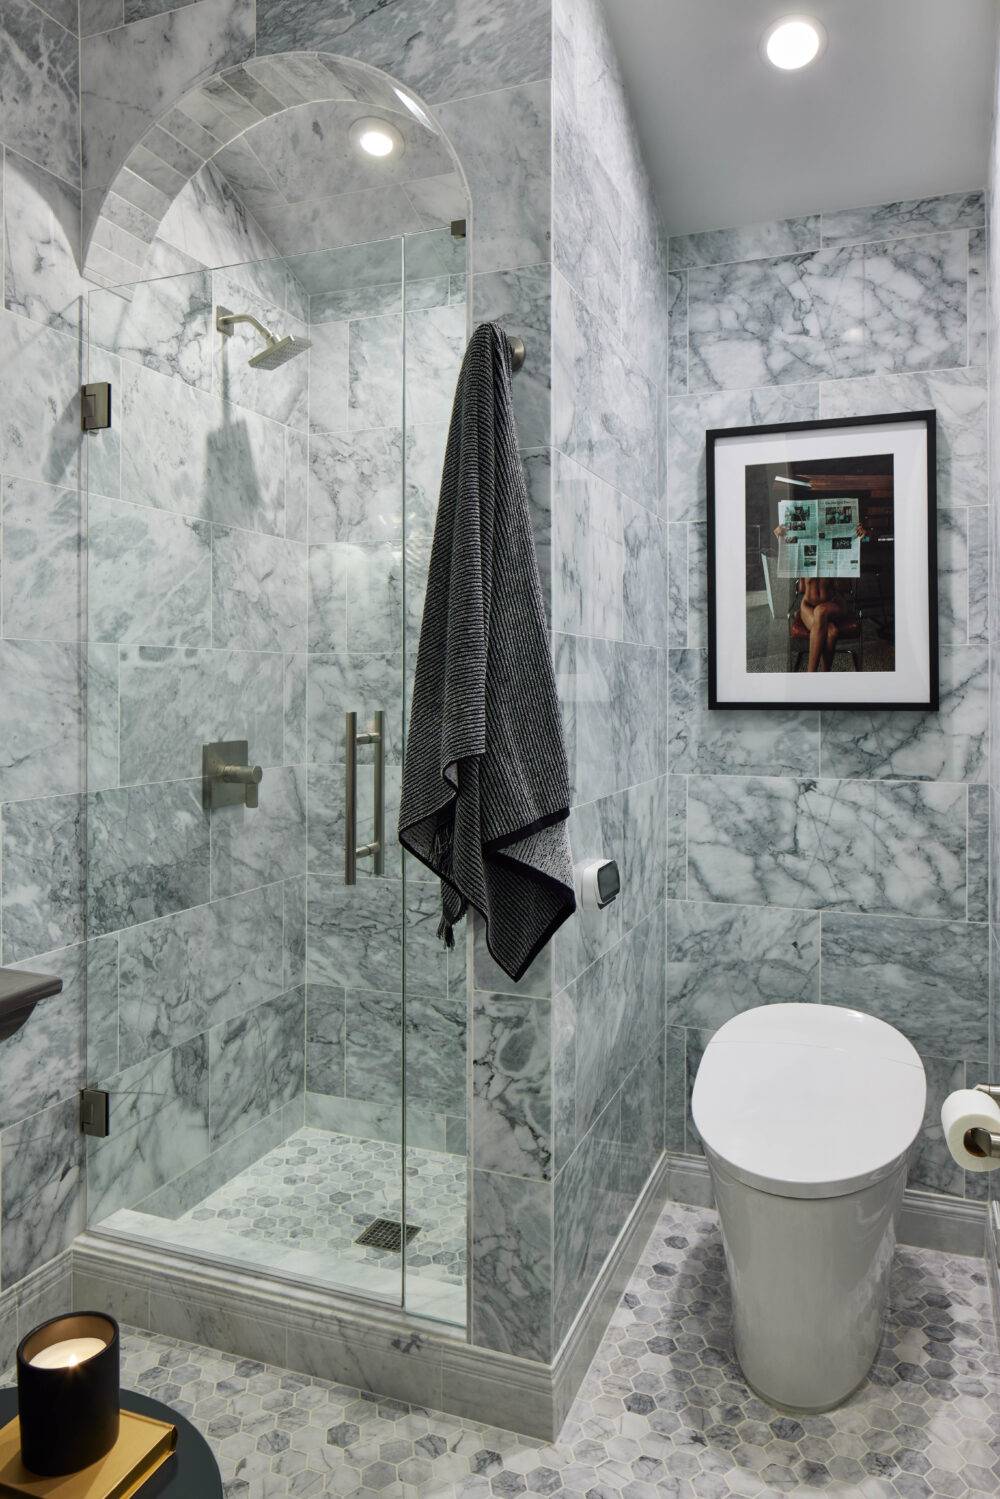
663, 1410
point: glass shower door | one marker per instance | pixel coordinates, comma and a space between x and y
245, 568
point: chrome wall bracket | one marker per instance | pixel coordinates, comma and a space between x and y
376, 849
227, 777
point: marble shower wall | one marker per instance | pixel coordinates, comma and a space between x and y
42, 738
836, 857
993, 370
568, 1064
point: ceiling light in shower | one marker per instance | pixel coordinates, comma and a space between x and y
377, 138
793, 42
413, 107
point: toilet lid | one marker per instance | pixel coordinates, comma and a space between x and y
807, 1100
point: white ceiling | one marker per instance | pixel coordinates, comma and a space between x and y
897, 107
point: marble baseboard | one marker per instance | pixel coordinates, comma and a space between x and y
993, 1259
46, 1292
951, 1225
370, 1346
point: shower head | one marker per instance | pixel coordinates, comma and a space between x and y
278, 350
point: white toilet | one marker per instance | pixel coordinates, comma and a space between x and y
807, 1113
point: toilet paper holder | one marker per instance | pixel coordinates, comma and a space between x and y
985, 1142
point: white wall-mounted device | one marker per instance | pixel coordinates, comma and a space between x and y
598, 883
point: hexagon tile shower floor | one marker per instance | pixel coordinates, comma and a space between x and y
662, 1411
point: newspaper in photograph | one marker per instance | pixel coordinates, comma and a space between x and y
820, 539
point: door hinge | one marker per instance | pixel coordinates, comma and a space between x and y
95, 406
95, 1112
458, 228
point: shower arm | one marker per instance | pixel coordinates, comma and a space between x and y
226, 321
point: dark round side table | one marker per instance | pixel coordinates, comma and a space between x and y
191, 1471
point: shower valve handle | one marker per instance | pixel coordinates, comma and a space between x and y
227, 779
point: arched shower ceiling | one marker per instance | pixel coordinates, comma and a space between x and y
208, 119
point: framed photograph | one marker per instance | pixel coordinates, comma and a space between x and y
822, 564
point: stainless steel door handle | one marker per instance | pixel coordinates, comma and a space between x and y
376, 849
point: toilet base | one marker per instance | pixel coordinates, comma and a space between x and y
810, 1283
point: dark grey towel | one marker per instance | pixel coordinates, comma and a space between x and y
485, 793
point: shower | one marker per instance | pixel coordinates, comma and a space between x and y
278, 351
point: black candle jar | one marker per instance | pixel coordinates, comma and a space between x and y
68, 1412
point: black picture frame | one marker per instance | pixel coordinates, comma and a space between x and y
714, 436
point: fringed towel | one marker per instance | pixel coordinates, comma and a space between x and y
485, 793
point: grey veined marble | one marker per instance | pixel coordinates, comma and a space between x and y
39, 87
42, 223
892, 847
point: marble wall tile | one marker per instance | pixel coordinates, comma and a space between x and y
375, 373
355, 597
958, 397
674, 1089
435, 1027
175, 701
149, 576
258, 592
899, 220
586, 216
854, 845
979, 556
165, 324
373, 1049
184, 451
39, 90
799, 318
677, 586
677, 323
717, 742
355, 487
503, 142
256, 1064
123, 92
979, 854
196, 969
42, 563
916, 302
642, 1124
946, 746
645, 293
604, 412
254, 846
444, 50
148, 854
42, 1064
159, 1128
42, 743
341, 683
328, 375
979, 299
325, 1039
294, 933
435, 344
522, 300
42, 229
355, 933
40, 389
722, 960
588, 546
41, 1189
676, 837
281, 394
587, 1210
697, 586
929, 979
932, 1167
748, 242
691, 416
100, 671
512, 1264
44, 855
645, 573
511, 1085
953, 575
101, 1005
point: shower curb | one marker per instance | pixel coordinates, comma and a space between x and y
353, 1342
951, 1225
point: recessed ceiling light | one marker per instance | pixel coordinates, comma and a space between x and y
377, 137
793, 42
413, 107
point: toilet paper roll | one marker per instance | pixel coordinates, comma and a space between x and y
964, 1110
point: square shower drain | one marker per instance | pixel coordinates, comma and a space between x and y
386, 1233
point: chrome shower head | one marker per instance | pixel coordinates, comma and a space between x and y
278, 350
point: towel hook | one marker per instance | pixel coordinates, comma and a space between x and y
518, 352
